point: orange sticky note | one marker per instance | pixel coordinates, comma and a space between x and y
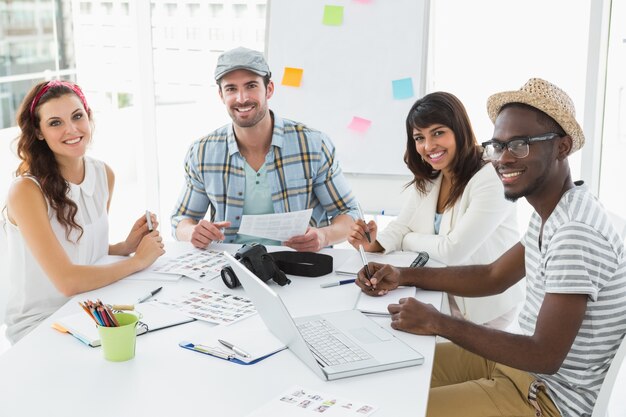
292, 77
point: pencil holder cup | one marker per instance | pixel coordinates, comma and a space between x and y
118, 343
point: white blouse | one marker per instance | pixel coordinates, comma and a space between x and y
478, 229
33, 297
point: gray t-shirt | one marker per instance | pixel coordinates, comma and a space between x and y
581, 253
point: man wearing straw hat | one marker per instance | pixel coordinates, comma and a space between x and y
574, 316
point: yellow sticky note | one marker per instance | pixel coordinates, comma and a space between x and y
333, 15
292, 77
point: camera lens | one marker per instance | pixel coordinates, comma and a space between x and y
229, 277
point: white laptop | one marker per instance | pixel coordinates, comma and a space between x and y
334, 345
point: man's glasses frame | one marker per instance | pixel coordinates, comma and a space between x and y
518, 146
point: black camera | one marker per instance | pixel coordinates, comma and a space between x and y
256, 259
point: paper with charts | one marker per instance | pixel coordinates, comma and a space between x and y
276, 226
211, 305
200, 264
299, 401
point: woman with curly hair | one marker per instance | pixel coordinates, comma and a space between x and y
57, 211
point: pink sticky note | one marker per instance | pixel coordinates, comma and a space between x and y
359, 124
363, 1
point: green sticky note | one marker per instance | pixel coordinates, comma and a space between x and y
333, 15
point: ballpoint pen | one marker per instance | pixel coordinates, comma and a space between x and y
234, 348
207, 349
337, 283
364, 260
367, 233
148, 295
149, 220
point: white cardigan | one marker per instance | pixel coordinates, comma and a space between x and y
480, 227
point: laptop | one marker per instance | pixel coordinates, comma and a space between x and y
333, 345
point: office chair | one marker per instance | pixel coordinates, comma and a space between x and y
602, 402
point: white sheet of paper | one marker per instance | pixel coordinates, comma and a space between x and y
250, 334
353, 264
298, 401
277, 226
378, 305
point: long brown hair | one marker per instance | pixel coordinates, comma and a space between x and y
443, 108
38, 160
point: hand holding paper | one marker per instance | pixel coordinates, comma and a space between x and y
312, 241
277, 226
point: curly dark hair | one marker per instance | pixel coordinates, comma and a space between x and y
38, 160
443, 108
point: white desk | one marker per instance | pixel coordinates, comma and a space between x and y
49, 373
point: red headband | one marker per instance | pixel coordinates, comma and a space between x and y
56, 83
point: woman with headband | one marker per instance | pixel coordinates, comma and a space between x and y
57, 211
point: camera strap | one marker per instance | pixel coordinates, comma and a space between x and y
305, 264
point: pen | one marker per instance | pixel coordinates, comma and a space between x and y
367, 233
364, 260
212, 351
149, 220
234, 348
150, 294
337, 283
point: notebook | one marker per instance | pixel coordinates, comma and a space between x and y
371, 348
377, 306
82, 327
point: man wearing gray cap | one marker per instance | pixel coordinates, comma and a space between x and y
260, 164
574, 316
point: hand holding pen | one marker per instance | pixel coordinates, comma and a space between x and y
361, 231
377, 279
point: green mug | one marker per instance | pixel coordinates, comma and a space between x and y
118, 343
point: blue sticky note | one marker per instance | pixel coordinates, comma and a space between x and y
402, 88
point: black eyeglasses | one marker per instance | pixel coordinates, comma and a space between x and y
519, 147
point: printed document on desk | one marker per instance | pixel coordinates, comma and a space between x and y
277, 226
298, 401
201, 265
211, 305
153, 317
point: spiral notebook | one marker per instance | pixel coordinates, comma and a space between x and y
154, 317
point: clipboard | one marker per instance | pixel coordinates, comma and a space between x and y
221, 354
249, 334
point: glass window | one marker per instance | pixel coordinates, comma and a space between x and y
216, 11
474, 58
240, 10
193, 9
614, 126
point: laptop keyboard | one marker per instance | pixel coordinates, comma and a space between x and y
321, 336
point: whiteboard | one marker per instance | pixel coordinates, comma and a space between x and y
348, 71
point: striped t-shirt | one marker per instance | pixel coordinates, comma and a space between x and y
581, 253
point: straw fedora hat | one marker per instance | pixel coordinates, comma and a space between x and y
546, 97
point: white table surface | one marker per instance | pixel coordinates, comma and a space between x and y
49, 373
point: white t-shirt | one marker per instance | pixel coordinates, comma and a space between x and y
580, 253
33, 297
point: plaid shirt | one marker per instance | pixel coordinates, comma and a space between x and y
301, 168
